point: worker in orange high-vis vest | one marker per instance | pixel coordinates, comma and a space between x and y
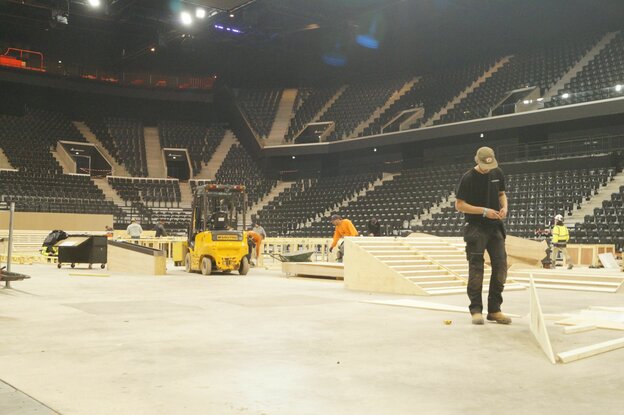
344, 227
560, 239
255, 239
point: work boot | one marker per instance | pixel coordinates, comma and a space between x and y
477, 318
499, 317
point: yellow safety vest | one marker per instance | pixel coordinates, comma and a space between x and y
560, 234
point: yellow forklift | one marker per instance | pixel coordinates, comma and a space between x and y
214, 241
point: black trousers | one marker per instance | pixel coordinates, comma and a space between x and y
479, 238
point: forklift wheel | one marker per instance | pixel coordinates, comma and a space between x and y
187, 263
58, 265
102, 266
206, 266
243, 269
73, 265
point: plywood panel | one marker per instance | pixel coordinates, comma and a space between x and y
69, 222
363, 272
317, 269
132, 262
537, 324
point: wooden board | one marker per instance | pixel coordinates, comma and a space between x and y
575, 321
314, 269
537, 324
427, 306
581, 328
588, 351
608, 261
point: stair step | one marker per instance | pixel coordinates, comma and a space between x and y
422, 268
439, 284
428, 278
429, 273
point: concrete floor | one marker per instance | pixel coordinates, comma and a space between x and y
266, 344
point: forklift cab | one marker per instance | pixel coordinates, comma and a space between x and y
215, 241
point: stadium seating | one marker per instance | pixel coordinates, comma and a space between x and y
260, 107
27, 140
308, 200
64, 193
535, 197
311, 101
152, 192
199, 139
605, 226
239, 168
432, 92
357, 103
127, 135
540, 68
599, 79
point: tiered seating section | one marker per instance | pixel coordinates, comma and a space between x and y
312, 102
356, 105
27, 140
152, 192
539, 68
239, 168
599, 79
534, 198
606, 225
130, 142
199, 139
260, 106
542, 68
63, 193
309, 200
123, 139
432, 92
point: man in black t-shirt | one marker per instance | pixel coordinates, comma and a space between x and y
481, 197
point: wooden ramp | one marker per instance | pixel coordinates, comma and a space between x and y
314, 269
598, 280
420, 265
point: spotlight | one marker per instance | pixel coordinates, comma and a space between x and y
482, 135
526, 102
375, 150
152, 49
618, 87
565, 96
232, 15
540, 99
200, 13
293, 157
95, 3
186, 18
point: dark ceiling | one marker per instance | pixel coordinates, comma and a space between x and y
289, 41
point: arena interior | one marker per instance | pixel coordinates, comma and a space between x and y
122, 112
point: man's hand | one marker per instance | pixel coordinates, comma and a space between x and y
503, 213
493, 214
331, 249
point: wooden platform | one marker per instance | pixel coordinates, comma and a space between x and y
418, 265
578, 279
314, 269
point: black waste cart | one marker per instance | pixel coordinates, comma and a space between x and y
82, 249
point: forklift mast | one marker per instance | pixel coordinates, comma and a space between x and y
214, 204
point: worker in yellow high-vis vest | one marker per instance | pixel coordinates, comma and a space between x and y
560, 239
